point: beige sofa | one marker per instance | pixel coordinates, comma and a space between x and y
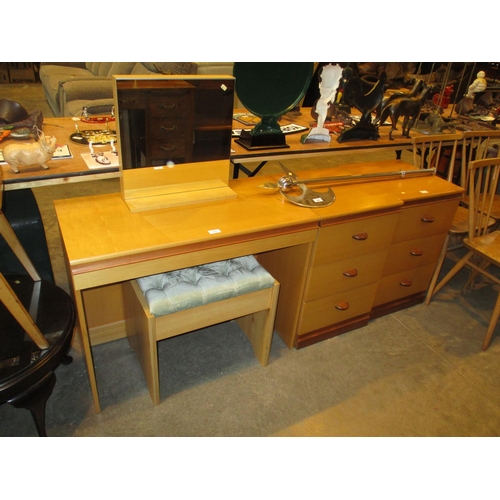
69, 87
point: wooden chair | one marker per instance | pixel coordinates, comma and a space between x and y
474, 145
170, 304
478, 145
36, 307
483, 245
431, 151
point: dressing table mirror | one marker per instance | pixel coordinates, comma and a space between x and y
174, 139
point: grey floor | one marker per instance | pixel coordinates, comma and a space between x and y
418, 372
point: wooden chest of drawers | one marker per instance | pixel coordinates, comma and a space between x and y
369, 267
347, 264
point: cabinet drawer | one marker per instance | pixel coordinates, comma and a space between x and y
413, 253
336, 308
425, 220
175, 104
397, 286
354, 238
174, 148
165, 130
131, 99
345, 275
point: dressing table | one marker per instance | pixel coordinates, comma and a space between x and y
369, 253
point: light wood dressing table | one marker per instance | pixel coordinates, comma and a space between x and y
389, 232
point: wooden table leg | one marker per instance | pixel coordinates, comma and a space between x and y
87, 348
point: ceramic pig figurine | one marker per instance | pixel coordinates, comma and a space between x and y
36, 153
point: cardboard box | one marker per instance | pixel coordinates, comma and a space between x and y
22, 72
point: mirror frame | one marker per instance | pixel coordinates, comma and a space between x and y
153, 187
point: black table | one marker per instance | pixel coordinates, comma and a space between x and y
26, 372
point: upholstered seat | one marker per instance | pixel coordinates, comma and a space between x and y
175, 291
169, 304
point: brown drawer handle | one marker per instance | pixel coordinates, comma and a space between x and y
406, 282
342, 306
171, 148
417, 252
169, 106
350, 273
168, 129
427, 218
360, 236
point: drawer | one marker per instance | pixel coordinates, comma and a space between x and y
344, 275
425, 220
131, 99
175, 104
354, 238
413, 253
403, 284
175, 148
336, 308
165, 130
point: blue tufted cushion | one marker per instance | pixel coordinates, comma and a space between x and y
174, 291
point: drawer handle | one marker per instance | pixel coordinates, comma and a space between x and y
343, 306
350, 273
406, 282
360, 236
167, 106
170, 148
168, 129
427, 218
417, 252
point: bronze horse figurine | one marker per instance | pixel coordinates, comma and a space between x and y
407, 107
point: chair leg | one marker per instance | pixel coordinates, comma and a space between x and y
35, 400
493, 324
439, 265
453, 271
474, 273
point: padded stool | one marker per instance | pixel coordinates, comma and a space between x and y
169, 304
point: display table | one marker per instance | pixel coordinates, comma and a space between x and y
61, 171
75, 169
297, 148
304, 249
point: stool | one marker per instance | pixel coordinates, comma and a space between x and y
170, 304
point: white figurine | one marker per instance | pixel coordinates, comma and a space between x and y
478, 85
328, 85
35, 153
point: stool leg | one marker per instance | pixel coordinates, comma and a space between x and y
35, 400
141, 334
259, 328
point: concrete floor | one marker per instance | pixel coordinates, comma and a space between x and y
418, 372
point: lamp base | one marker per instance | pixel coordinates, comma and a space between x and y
262, 141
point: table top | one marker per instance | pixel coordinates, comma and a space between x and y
107, 243
75, 169
62, 170
239, 153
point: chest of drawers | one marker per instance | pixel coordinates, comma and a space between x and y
415, 248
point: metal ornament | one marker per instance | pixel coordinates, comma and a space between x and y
310, 198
